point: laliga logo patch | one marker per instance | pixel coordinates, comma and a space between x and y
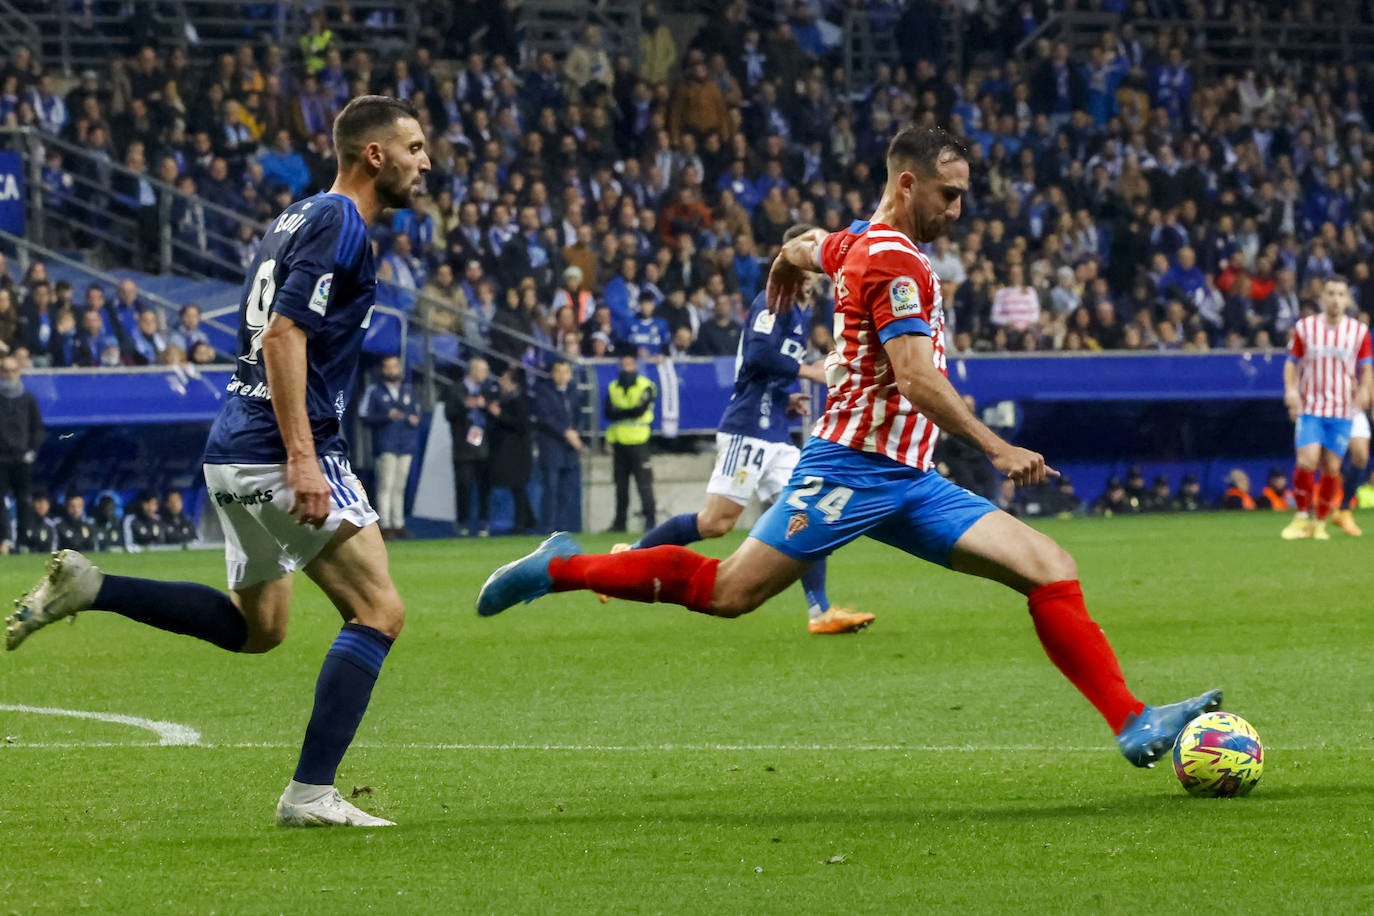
320, 298
904, 297
797, 524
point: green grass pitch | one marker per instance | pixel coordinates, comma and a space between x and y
574, 757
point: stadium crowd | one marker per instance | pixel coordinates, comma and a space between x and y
600, 203
590, 204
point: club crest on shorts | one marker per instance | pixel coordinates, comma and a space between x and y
797, 523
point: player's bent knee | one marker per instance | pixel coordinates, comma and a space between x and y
263, 639
387, 617
714, 526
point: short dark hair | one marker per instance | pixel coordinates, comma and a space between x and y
361, 119
917, 149
796, 230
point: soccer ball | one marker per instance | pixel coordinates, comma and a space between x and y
1218, 755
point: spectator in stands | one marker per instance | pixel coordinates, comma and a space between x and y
629, 406
1237, 495
1276, 494
392, 412
468, 411
1189, 496
649, 335
587, 63
63, 347
283, 165
143, 525
75, 531
21, 435
128, 304
719, 336
188, 331
177, 527
697, 105
1112, 501
112, 352
1159, 497
9, 321
37, 320
135, 198
37, 533
108, 530
147, 340
558, 412
1015, 306
512, 446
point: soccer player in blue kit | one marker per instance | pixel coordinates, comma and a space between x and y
277, 467
754, 451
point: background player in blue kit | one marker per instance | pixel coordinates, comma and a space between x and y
754, 450
277, 467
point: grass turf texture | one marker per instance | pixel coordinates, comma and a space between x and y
635, 758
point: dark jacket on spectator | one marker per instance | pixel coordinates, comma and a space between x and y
21, 426
512, 448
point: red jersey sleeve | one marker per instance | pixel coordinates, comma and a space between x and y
833, 250
898, 294
1366, 350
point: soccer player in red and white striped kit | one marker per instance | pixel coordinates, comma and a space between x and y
1329, 374
867, 469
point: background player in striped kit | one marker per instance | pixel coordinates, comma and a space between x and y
1327, 376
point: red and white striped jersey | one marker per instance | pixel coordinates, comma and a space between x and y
884, 287
1329, 358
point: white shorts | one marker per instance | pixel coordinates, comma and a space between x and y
262, 539
748, 467
1359, 425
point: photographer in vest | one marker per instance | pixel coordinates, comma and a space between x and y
629, 406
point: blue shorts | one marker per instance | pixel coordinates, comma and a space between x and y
838, 493
1331, 433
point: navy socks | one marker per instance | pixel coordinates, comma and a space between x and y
187, 608
680, 530
341, 697
813, 586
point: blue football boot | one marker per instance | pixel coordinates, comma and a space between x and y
1150, 734
526, 578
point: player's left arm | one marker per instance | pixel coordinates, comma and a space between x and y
913, 362
796, 258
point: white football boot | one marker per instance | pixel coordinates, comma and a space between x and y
70, 585
327, 809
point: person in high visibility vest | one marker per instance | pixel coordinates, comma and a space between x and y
629, 405
315, 43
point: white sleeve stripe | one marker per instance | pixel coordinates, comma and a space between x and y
880, 247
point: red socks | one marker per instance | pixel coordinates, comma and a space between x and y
1328, 496
668, 573
1079, 649
1304, 482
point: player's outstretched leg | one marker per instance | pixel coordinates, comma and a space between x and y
353, 572
736, 585
1001, 548
73, 584
1304, 487
825, 619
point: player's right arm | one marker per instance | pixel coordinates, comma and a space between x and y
913, 362
796, 258
284, 361
1292, 395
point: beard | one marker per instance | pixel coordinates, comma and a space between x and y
393, 192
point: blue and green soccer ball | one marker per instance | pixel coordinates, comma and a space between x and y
1218, 755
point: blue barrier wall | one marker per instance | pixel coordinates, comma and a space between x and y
1094, 415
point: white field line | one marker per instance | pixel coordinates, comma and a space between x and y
168, 733
653, 748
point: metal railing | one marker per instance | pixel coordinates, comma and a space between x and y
99, 222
